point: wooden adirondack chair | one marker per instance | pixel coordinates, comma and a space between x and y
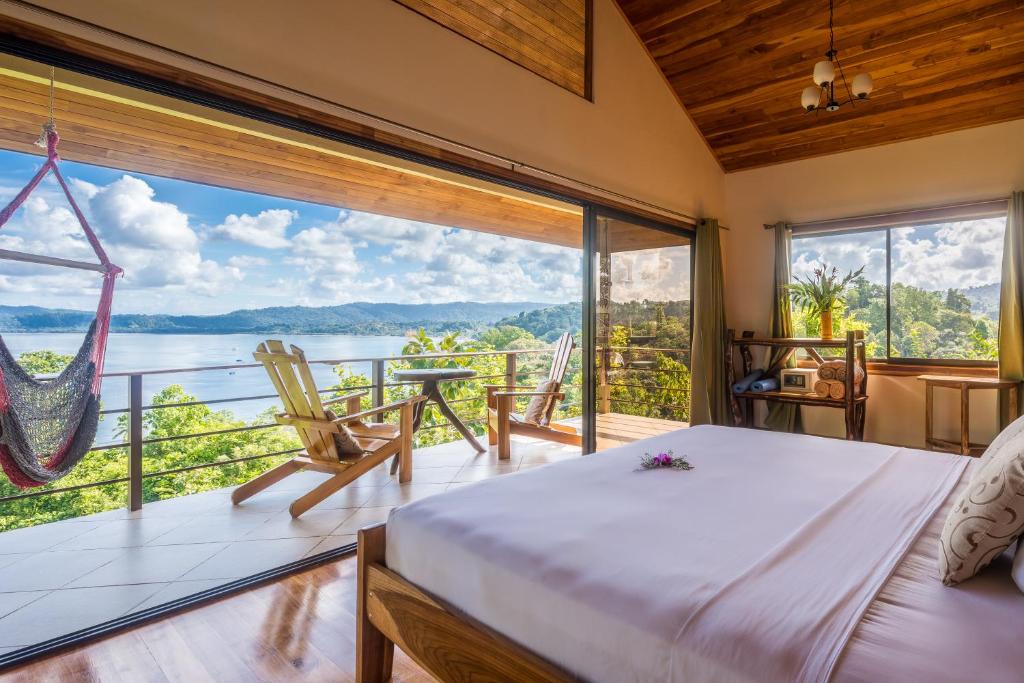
503, 421
289, 372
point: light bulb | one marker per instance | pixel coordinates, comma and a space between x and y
824, 72
863, 85
810, 97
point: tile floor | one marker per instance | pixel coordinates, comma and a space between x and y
65, 576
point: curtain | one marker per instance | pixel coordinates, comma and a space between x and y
1011, 303
782, 417
709, 398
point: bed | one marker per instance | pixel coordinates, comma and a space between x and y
778, 558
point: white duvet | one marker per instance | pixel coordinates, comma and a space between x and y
755, 566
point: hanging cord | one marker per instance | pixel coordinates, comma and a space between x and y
50, 127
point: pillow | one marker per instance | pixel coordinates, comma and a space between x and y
537, 409
1013, 429
988, 514
1018, 566
344, 441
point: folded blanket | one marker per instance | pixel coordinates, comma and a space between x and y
744, 384
766, 384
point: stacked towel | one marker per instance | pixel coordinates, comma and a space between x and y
836, 369
767, 384
744, 384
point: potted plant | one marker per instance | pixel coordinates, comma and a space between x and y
820, 294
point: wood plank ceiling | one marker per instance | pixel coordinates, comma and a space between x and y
548, 37
102, 124
738, 67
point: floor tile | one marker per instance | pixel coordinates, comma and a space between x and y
122, 533
177, 590
212, 529
153, 564
363, 517
315, 522
64, 611
331, 543
9, 602
54, 569
41, 537
349, 497
480, 473
435, 475
245, 558
11, 559
404, 493
439, 460
191, 505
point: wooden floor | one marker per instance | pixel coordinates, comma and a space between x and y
298, 628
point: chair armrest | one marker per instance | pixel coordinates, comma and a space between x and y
382, 409
346, 397
517, 394
508, 387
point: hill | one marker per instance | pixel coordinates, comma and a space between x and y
984, 300
550, 322
354, 318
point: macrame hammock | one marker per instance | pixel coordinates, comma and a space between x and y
47, 426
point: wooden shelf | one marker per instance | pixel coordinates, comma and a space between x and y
795, 342
801, 399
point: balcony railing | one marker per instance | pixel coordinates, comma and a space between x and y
137, 408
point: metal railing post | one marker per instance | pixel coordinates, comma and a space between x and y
377, 379
135, 443
510, 369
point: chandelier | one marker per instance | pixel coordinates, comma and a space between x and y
822, 95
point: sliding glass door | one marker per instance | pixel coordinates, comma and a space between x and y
640, 329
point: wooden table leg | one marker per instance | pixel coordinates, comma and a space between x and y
446, 410
928, 406
965, 420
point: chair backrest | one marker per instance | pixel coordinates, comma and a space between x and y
290, 375
560, 359
559, 364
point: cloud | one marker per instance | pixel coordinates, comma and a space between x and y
933, 257
130, 217
247, 261
267, 229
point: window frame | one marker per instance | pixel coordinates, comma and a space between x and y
913, 219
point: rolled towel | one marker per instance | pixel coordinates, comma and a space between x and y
821, 388
858, 373
766, 384
826, 372
837, 391
744, 384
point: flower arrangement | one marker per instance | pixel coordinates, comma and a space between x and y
819, 295
661, 460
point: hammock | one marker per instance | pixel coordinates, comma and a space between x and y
47, 426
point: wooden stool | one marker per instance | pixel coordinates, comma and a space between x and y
965, 385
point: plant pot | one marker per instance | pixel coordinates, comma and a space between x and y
826, 324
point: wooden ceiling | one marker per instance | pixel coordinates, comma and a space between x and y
548, 37
118, 127
738, 67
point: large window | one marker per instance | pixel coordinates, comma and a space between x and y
929, 291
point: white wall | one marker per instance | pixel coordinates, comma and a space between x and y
981, 163
382, 58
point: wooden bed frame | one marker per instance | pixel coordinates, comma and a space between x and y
391, 611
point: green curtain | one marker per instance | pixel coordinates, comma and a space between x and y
1011, 302
709, 398
782, 417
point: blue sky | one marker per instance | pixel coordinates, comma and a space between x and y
189, 248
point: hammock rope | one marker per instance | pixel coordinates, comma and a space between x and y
48, 426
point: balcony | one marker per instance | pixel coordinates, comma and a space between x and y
68, 576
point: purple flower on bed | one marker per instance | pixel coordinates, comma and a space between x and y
665, 459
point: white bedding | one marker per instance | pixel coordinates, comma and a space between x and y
755, 566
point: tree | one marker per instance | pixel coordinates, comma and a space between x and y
44, 362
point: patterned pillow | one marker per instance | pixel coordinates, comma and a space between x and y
1013, 429
345, 441
537, 409
987, 517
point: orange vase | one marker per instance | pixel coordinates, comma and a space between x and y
826, 324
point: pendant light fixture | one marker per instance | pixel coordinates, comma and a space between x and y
822, 95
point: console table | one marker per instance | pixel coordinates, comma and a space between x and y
965, 385
853, 404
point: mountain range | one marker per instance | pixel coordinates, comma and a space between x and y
354, 318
